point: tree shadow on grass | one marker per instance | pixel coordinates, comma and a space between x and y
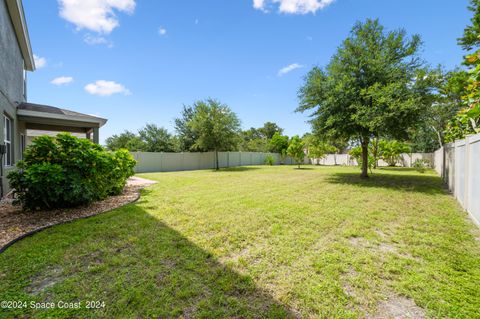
237, 169
427, 184
396, 169
139, 266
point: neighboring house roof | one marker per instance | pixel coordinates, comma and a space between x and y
51, 112
15, 9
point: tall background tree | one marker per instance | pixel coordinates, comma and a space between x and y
258, 139
279, 144
373, 86
157, 139
150, 138
446, 102
467, 120
215, 125
126, 140
186, 136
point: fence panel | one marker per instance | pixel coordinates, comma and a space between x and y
438, 158
459, 166
460, 161
169, 162
473, 186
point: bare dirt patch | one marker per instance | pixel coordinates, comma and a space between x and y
41, 282
14, 222
358, 242
387, 248
398, 307
346, 283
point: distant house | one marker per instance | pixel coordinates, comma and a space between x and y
20, 120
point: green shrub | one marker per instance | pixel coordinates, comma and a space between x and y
269, 160
67, 171
391, 151
421, 165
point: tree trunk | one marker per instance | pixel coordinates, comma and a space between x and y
364, 158
216, 160
375, 153
439, 136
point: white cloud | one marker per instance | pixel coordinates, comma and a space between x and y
95, 40
95, 15
289, 68
162, 31
106, 88
293, 6
39, 62
62, 80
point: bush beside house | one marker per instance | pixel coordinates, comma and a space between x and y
66, 171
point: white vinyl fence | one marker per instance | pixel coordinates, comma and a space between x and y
459, 165
169, 162
406, 160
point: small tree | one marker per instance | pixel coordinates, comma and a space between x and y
316, 147
391, 151
279, 144
216, 127
296, 150
374, 85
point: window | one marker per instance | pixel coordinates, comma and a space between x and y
7, 139
23, 145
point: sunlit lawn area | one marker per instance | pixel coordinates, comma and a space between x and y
260, 242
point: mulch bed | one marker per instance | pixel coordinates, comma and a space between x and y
16, 224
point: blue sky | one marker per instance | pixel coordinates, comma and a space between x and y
139, 61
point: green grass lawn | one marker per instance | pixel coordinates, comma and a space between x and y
259, 242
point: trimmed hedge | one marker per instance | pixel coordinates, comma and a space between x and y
66, 171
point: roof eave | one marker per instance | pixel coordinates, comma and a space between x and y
17, 15
96, 120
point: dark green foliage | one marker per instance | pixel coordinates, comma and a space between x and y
258, 139
126, 140
471, 35
66, 171
186, 135
150, 138
269, 129
156, 139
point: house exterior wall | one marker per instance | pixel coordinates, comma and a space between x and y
11, 84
